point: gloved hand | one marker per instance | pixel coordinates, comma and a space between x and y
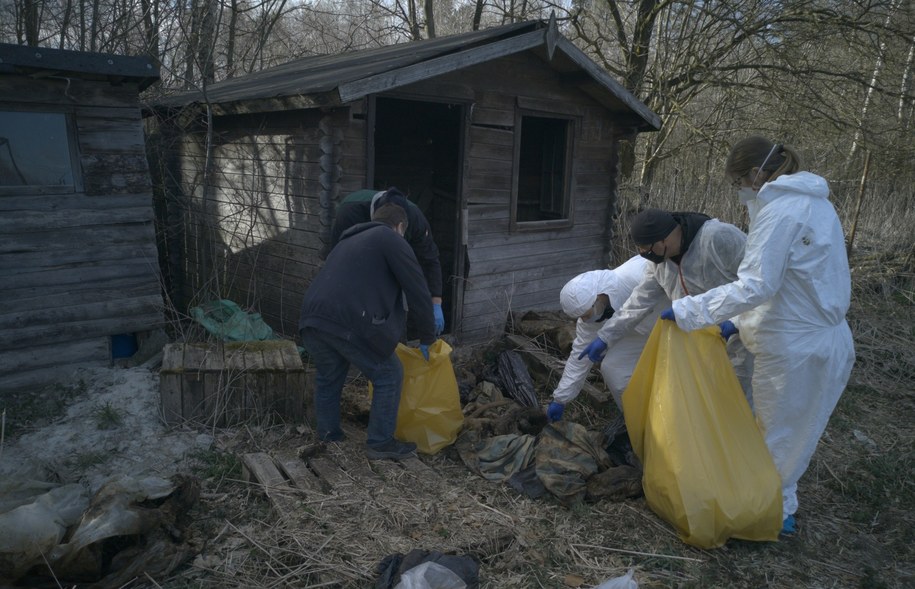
439, 319
669, 315
425, 350
594, 351
554, 411
727, 329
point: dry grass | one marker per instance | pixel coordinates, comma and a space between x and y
857, 515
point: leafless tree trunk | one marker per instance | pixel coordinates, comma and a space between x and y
65, 24
30, 18
151, 28
477, 14
430, 19
868, 95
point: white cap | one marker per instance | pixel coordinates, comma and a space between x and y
579, 294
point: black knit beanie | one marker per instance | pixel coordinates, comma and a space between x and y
650, 226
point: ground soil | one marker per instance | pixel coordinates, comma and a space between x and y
856, 520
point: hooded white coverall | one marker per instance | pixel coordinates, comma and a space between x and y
792, 293
711, 260
577, 298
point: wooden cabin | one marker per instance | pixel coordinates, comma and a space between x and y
78, 257
506, 138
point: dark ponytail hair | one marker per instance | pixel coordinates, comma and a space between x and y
751, 153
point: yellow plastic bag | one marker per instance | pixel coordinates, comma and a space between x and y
707, 470
430, 406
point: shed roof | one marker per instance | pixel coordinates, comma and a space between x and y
44, 61
330, 80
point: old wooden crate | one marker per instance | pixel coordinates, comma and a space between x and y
228, 383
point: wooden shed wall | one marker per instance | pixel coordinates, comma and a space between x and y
276, 177
273, 182
526, 269
77, 268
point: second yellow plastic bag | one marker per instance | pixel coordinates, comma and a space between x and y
707, 470
430, 406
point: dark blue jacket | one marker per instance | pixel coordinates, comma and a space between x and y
358, 294
356, 208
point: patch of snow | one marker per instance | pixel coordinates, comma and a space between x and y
135, 442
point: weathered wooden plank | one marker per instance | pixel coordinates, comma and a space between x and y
137, 284
299, 475
330, 473
260, 468
273, 386
26, 262
42, 334
22, 221
193, 390
81, 276
67, 92
38, 299
69, 237
419, 469
52, 202
99, 309
25, 358
170, 377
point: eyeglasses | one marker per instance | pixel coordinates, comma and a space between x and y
648, 247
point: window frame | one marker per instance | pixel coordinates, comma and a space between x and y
72, 149
568, 208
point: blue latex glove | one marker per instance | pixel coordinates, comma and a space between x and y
554, 411
439, 319
789, 526
727, 329
594, 351
668, 314
425, 350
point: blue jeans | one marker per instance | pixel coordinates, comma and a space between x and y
332, 357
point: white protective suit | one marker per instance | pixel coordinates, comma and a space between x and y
791, 295
711, 260
577, 297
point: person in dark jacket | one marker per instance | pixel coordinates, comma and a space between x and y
354, 313
358, 207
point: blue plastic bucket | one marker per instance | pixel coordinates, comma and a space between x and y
123, 345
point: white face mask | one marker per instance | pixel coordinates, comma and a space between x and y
746, 194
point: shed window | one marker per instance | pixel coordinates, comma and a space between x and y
37, 153
543, 161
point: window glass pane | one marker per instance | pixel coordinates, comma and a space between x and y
35, 150
542, 169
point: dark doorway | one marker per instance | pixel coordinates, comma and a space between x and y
417, 148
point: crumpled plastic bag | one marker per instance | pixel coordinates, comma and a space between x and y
34, 527
407, 572
115, 511
625, 582
227, 321
430, 575
430, 412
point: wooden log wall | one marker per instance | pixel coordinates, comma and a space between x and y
526, 269
266, 223
274, 177
77, 268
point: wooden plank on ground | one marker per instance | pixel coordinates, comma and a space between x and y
298, 473
551, 363
329, 471
419, 468
259, 467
